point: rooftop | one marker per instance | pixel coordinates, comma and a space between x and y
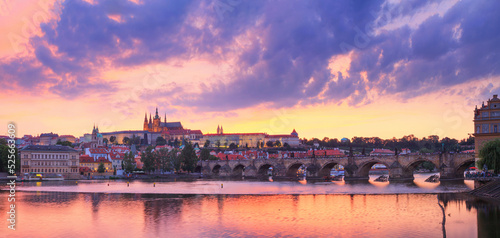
48, 148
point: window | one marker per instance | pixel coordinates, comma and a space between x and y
495, 129
485, 128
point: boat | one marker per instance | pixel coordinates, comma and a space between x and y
383, 178
32, 176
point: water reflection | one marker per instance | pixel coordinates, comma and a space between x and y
355, 215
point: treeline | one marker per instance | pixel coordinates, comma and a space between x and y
162, 160
428, 144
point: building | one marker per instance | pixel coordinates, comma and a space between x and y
486, 123
251, 140
50, 159
48, 138
156, 125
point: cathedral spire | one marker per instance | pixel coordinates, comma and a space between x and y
150, 121
145, 117
218, 129
165, 118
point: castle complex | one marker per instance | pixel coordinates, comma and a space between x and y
155, 125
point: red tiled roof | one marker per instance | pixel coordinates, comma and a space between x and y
86, 159
98, 151
102, 160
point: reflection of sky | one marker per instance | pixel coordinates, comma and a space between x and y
255, 187
157, 215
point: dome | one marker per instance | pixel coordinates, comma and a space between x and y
99, 135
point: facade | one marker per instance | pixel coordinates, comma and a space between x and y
50, 159
48, 138
486, 123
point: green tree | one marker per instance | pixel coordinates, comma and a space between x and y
286, 145
65, 143
129, 162
204, 154
126, 141
217, 143
490, 156
101, 168
112, 139
269, 143
148, 159
160, 141
277, 143
207, 144
175, 159
233, 146
213, 157
189, 158
7, 151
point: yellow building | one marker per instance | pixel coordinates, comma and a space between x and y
486, 123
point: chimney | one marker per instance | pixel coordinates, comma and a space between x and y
495, 95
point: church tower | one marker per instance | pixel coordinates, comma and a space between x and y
145, 122
156, 122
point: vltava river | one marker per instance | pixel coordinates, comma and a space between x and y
248, 209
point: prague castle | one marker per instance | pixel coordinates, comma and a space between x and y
155, 125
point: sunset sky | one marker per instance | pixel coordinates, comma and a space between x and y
326, 68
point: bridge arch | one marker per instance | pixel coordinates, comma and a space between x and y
411, 167
460, 169
364, 168
326, 168
292, 170
198, 169
263, 169
216, 169
238, 170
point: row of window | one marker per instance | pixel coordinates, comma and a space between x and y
50, 170
487, 128
49, 156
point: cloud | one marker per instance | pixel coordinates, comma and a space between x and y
281, 50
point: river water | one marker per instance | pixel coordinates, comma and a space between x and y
206, 208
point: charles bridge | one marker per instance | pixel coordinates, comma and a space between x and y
400, 167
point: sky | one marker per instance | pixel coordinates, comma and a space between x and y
325, 68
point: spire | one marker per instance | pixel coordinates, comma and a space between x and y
221, 130
218, 129
150, 121
165, 118
146, 117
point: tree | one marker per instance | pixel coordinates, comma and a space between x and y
258, 145
233, 146
189, 158
101, 168
175, 159
129, 162
112, 139
490, 156
105, 140
269, 143
217, 143
176, 143
262, 144
204, 154
126, 140
148, 159
207, 144
5, 152
286, 145
65, 143
278, 143
160, 141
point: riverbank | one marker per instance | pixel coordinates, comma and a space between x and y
489, 191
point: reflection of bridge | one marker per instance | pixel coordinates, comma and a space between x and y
401, 167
